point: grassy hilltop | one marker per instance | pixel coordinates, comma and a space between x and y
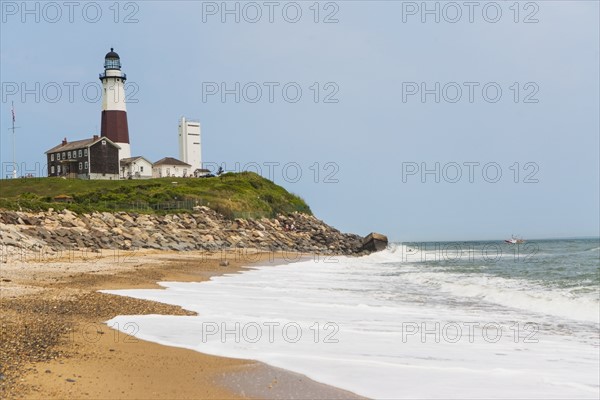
244, 195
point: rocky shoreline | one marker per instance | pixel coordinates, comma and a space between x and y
51, 231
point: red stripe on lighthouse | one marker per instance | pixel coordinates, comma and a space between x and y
114, 126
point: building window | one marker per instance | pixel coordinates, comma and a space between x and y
168, 171
52, 169
184, 171
58, 169
80, 153
51, 157
64, 157
86, 165
85, 152
104, 143
57, 156
80, 166
69, 154
141, 168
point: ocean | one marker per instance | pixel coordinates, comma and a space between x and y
417, 320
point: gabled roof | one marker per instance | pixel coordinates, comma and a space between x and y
77, 144
171, 161
80, 144
125, 161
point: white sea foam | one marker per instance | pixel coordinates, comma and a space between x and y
380, 329
514, 293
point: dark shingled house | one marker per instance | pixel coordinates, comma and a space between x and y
95, 158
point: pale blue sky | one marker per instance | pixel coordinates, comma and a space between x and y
370, 132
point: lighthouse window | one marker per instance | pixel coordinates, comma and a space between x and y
112, 64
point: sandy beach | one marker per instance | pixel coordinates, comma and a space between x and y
56, 345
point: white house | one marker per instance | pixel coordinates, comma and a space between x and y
136, 168
171, 167
201, 172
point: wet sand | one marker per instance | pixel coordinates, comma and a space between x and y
56, 346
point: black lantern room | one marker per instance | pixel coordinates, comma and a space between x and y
112, 60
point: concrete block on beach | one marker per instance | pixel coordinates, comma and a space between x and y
375, 242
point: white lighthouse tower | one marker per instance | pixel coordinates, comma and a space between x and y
114, 111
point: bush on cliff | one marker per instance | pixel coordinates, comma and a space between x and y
245, 195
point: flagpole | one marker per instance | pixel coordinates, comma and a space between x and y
13, 131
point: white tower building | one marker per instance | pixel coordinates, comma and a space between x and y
114, 112
190, 147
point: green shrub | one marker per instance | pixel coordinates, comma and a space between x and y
231, 194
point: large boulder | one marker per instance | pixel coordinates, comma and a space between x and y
375, 242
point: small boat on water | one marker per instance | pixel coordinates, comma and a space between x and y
514, 240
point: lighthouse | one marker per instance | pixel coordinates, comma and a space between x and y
114, 111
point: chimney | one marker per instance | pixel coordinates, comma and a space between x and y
95, 137
64, 142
